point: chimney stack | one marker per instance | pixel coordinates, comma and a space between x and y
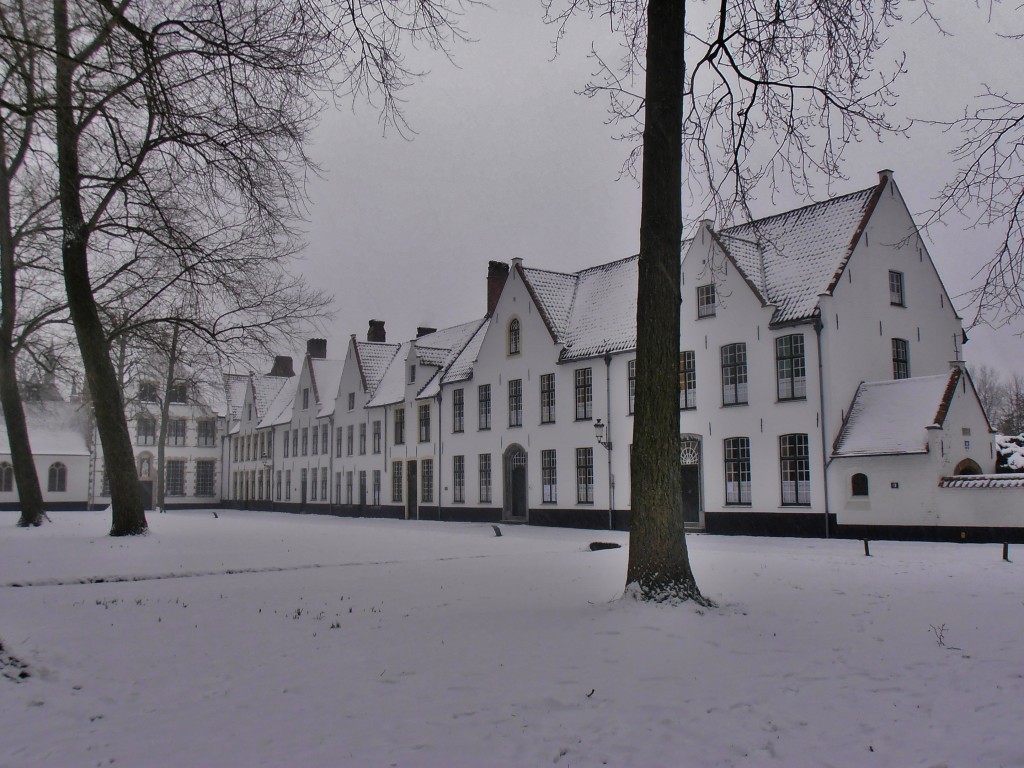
317, 348
497, 274
423, 331
282, 366
376, 331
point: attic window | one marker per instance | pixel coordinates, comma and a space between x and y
412, 374
513, 336
896, 297
706, 300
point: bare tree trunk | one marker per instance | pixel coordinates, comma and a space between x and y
129, 518
165, 417
659, 566
30, 495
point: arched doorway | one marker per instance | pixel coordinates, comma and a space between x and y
967, 467
689, 470
515, 501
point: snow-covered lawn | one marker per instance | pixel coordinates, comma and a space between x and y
262, 639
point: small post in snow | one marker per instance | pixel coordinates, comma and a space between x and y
867, 549
1006, 551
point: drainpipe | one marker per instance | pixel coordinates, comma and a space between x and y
824, 431
438, 470
608, 434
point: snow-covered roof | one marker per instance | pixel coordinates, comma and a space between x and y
1013, 480
54, 429
791, 258
590, 312
265, 390
442, 348
892, 417
374, 358
462, 367
325, 375
391, 388
234, 393
279, 410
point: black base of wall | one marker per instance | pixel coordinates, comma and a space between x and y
798, 524
965, 534
596, 519
49, 506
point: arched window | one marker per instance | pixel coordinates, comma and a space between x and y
58, 478
967, 467
513, 336
859, 484
6, 478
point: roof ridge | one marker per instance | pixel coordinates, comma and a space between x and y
791, 211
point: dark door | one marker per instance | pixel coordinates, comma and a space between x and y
412, 511
691, 493
146, 487
302, 490
515, 506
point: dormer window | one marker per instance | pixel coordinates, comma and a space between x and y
514, 336
706, 300
896, 296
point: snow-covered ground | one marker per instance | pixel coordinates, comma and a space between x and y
262, 639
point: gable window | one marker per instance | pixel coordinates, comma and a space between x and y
458, 410
485, 478
584, 475
174, 485
351, 401
7, 478
396, 482
362, 439
176, 432
706, 300
484, 397
376, 436
305, 398
630, 385
896, 296
424, 422
900, 359
687, 380
859, 484
458, 478
57, 479
795, 470
515, 402
737, 470
549, 477
790, 367
584, 393
514, 336
399, 426
145, 431
547, 398
734, 374
412, 374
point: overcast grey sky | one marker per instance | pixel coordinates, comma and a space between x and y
508, 161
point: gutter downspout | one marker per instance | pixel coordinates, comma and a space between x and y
608, 435
440, 468
818, 325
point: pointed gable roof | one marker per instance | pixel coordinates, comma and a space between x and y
373, 359
325, 379
234, 393
442, 349
893, 417
279, 410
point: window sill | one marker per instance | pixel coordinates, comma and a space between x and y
802, 505
731, 405
791, 399
738, 504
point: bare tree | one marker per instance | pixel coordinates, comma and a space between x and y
180, 126
991, 389
792, 75
1011, 421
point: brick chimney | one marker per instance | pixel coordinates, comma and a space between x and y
423, 331
497, 274
376, 331
282, 366
317, 348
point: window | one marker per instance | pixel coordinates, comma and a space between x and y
484, 398
351, 401
706, 300
859, 485
340, 439
7, 478
305, 398
204, 477
424, 413
515, 402
427, 476
896, 289
147, 392
399, 426
287, 485
687, 380
362, 439
337, 487
145, 430
513, 336
795, 467
584, 393
350, 440
179, 394
630, 385
176, 432
285, 441
458, 478
549, 477
303, 479
305, 441
174, 485
375, 498
295, 442
376, 436
737, 470
900, 359
277, 490
362, 488
105, 484
412, 374
547, 398
790, 367
348, 488
312, 484
316, 440
325, 439
485, 477
734, 374
248, 412
57, 482
206, 430
458, 410
323, 484
396, 482
585, 475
